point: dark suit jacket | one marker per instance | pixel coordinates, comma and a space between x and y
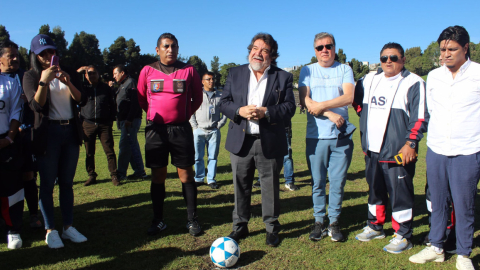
278, 99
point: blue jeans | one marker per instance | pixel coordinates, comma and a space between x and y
126, 152
59, 161
288, 163
211, 139
324, 156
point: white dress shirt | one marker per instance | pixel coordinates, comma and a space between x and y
454, 107
256, 92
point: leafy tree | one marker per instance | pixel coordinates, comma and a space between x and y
198, 64
4, 35
431, 54
296, 75
359, 69
58, 37
342, 58
24, 59
475, 52
215, 64
84, 50
124, 52
224, 72
182, 59
313, 60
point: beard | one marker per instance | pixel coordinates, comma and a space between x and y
257, 66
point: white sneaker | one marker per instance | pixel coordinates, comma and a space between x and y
464, 263
369, 234
73, 235
428, 254
53, 239
398, 244
14, 241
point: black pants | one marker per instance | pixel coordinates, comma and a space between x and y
104, 133
390, 181
11, 198
243, 169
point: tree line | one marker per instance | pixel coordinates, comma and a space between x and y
84, 50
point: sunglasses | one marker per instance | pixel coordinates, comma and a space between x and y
47, 51
393, 58
320, 48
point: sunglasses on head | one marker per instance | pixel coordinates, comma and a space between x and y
393, 58
320, 48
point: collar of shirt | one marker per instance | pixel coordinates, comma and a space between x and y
461, 70
256, 92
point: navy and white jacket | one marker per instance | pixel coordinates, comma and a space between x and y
408, 117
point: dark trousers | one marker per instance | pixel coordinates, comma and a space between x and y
104, 133
11, 198
243, 168
453, 178
390, 180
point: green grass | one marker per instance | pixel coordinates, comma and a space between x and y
115, 220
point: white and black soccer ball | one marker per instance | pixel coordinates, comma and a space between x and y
224, 252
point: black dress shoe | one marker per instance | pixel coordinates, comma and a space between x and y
272, 239
239, 234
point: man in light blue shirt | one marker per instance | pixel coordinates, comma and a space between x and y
326, 88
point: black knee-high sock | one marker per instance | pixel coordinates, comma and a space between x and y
189, 191
31, 196
157, 192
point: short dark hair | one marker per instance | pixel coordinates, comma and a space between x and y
7, 44
456, 33
121, 68
167, 35
393, 45
208, 73
270, 41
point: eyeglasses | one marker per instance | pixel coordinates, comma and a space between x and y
320, 48
393, 58
47, 51
210, 79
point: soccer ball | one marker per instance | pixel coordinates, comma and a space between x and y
224, 252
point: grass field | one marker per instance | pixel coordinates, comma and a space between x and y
115, 221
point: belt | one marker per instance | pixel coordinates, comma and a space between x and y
60, 122
253, 136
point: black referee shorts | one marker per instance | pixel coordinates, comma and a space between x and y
173, 139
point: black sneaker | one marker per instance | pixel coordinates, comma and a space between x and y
334, 232
317, 231
157, 226
194, 228
256, 184
213, 186
137, 176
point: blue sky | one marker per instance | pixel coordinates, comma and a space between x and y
224, 28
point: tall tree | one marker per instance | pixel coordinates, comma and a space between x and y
58, 37
342, 58
215, 65
359, 69
224, 72
24, 59
198, 64
4, 35
84, 50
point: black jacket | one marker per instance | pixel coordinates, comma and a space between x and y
127, 101
99, 106
278, 99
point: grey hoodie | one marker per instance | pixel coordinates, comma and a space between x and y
202, 117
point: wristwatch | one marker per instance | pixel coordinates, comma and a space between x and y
411, 144
267, 115
41, 83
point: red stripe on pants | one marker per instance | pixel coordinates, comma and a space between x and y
5, 211
380, 211
395, 225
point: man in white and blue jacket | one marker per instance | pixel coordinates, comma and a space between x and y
207, 123
393, 118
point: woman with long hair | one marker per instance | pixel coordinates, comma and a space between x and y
53, 96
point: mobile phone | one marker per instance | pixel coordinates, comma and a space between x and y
399, 158
55, 61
